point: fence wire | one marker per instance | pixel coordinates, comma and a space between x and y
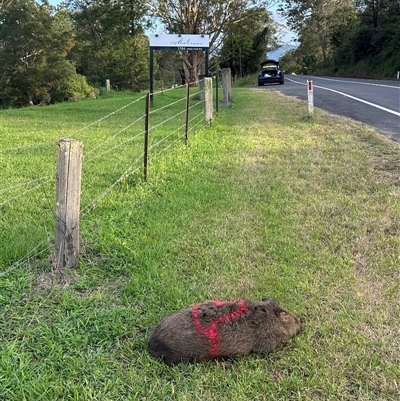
111, 155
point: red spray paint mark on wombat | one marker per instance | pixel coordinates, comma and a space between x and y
211, 331
222, 329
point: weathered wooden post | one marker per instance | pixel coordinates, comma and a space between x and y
208, 100
216, 93
108, 85
68, 191
227, 86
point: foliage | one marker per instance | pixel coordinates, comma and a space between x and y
345, 37
247, 42
110, 42
291, 63
367, 43
72, 89
168, 70
33, 65
314, 22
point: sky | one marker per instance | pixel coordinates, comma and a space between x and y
288, 37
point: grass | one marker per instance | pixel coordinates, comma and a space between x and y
260, 204
112, 146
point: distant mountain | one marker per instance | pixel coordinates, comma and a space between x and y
276, 54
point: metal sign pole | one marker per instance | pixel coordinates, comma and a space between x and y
151, 74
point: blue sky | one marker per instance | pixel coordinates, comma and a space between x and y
289, 36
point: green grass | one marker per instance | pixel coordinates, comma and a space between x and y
112, 146
260, 204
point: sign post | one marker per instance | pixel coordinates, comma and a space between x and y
310, 92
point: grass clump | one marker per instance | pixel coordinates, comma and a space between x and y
260, 204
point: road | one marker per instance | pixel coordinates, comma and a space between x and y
375, 103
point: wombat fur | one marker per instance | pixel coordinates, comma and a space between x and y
222, 329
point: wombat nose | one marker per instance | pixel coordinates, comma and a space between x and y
301, 318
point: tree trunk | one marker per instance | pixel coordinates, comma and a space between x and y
192, 66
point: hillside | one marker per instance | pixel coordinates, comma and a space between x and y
276, 54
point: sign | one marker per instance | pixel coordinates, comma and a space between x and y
179, 42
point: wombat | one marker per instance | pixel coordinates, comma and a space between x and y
222, 329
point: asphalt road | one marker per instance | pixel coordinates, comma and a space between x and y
375, 103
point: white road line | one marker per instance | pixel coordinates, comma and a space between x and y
359, 83
396, 113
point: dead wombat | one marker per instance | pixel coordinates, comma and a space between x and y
222, 329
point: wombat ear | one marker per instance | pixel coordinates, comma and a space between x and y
266, 299
284, 316
279, 311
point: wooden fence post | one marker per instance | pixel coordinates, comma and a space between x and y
68, 191
208, 99
227, 86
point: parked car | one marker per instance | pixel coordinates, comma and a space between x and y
270, 73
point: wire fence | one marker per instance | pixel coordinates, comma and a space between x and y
113, 151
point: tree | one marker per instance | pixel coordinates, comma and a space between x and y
368, 41
110, 41
314, 21
4, 4
291, 62
372, 10
212, 17
247, 42
32, 58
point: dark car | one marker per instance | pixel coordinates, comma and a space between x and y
270, 73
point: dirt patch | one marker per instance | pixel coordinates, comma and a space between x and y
55, 278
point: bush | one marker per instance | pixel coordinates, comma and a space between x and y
72, 88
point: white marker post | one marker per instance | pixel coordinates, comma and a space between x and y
398, 74
310, 92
